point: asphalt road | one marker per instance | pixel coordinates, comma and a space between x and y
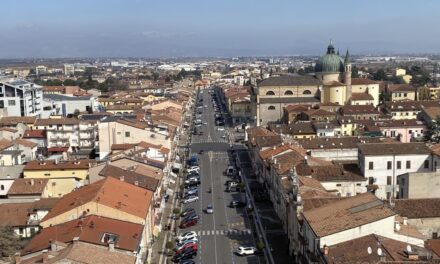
221, 232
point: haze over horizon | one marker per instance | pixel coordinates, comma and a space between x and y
195, 28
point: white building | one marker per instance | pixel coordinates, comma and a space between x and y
41, 69
382, 163
69, 69
58, 104
21, 98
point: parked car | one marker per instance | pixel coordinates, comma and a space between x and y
245, 251
220, 128
186, 212
189, 217
188, 223
190, 199
186, 235
192, 190
186, 240
186, 254
193, 246
236, 204
209, 209
180, 247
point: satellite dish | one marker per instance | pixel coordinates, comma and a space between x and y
369, 250
379, 252
408, 248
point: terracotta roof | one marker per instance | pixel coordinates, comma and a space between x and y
136, 124
54, 88
358, 109
285, 161
434, 245
45, 203
14, 120
361, 97
355, 251
122, 107
346, 214
275, 150
36, 133
131, 177
297, 108
418, 208
56, 121
397, 123
7, 129
109, 192
89, 229
26, 143
401, 88
27, 186
122, 146
394, 149
435, 149
263, 137
82, 164
432, 112
15, 214
335, 173
335, 143
410, 105
4, 144
362, 81
318, 112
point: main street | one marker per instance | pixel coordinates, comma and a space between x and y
221, 232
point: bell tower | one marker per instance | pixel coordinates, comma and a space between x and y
347, 77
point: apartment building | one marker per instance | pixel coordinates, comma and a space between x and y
21, 98
382, 163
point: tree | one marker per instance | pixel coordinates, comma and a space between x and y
420, 77
291, 70
380, 75
9, 242
433, 134
384, 97
76, 113
69, 82
424, 93
354, 72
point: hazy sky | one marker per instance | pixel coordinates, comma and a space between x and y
102, 28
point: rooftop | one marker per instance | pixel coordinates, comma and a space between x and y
290, 80
394, 149
346, 214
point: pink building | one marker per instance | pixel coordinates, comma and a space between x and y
405, 131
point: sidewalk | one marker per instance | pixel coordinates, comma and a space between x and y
158, 248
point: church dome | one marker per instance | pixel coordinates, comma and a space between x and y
330, 62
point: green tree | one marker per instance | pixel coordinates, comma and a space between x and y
9, 242
76, 113
424, 93
291, 70
354, 72
384, 97
69, 82
433, 134
380, 75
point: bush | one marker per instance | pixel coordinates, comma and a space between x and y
176, 211
260, 245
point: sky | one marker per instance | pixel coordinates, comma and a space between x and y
226, 28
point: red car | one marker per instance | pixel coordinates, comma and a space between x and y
193, 246
180, 247
188, 223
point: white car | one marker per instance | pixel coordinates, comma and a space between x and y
244, 251
193, 169
220, 128
209, 209
187, 235
191, 199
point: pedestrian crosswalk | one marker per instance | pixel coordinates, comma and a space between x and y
223, 232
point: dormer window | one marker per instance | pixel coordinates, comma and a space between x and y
109, 237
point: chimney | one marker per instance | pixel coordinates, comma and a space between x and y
325, 250
17, 258
121, 178
75, 240
405, 220
111, 246
53, 246
136, 183
45, 255
32, 182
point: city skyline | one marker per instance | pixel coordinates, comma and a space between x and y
205, 29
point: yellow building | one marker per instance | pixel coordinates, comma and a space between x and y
399, 72
63, 176
407, 78
402, 92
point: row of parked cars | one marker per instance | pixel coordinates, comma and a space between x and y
186, 247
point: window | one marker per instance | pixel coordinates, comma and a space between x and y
271, 107
388, 195
270, 93
338, 185
358, 184
371, 165
2, 187
288, 92
389, 165
408, 164
127, 134
388, 180
402, 181
426, 164
11, 102
107, 238
399, 164
307, 92
410, 131
20, 230
434, 235
370, 180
